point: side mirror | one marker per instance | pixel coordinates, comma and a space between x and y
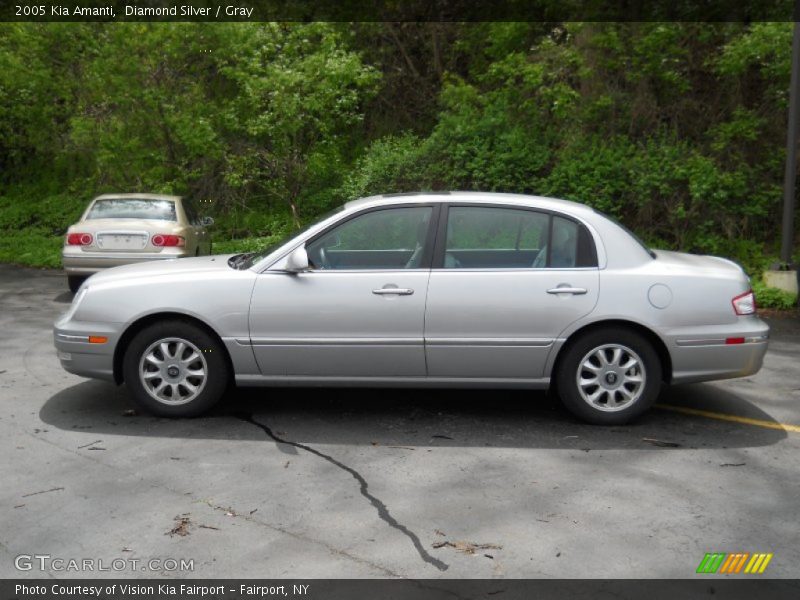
297, 261
207, 221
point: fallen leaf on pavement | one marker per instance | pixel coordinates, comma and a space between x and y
466, 547
181, 527
661, 443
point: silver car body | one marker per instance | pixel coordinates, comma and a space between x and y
473, 326
131, 240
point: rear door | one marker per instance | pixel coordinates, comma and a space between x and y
506, 281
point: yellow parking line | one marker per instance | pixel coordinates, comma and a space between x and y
733, 418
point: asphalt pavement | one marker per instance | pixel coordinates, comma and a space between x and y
331, 483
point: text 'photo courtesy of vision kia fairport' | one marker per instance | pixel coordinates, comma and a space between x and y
119, 229
428, 289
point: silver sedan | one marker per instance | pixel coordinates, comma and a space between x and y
452, 289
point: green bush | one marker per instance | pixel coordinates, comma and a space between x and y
769, 297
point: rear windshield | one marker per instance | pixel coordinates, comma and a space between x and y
133, 208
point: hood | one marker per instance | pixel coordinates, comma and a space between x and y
696, 262
168, 267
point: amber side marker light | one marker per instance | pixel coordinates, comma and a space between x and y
97, 339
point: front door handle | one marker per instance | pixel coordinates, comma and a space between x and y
567, 290
396, 291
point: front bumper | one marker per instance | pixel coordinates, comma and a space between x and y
78, 262
80, 356
720, 352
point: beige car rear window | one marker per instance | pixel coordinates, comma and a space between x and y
133, 208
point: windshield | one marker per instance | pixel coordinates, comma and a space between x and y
133, 208
247, 260
635, 237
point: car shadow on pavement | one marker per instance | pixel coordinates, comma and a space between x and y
414, 418
64, 297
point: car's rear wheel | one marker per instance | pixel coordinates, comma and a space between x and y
74, 282
175, 369
609, 376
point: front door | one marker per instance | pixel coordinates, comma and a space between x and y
359, 311
509, 281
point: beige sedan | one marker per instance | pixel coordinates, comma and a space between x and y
120, 229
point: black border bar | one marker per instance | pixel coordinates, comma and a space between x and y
702, 587
399, 10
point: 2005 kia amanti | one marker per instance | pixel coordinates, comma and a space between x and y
450, 289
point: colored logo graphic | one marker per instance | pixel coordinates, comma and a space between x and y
737, 562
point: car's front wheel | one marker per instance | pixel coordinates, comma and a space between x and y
175, 369
609, 376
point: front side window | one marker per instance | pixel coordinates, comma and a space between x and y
133, 208
392, 238
480, 237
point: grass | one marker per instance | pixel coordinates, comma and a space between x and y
30, 248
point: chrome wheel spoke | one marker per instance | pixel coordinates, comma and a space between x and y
616, 354
589, 366
191, 388
192, 358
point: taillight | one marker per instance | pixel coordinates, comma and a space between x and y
79, 239
744, 304
167, 240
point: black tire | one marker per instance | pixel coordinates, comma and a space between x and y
74, 282
605, 341
212, 362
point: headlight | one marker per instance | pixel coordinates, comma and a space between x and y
75, 302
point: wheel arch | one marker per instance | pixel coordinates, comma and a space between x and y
658, 344
147, 320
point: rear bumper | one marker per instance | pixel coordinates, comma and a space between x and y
721, 352
85, 263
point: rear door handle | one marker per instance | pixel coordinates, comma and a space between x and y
567, 290
396, 291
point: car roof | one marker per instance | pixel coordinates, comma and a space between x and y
139, 197
470, 198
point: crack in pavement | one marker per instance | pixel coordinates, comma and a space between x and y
383, 511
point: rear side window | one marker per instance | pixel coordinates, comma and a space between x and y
133, 208
572, 245
480, 237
